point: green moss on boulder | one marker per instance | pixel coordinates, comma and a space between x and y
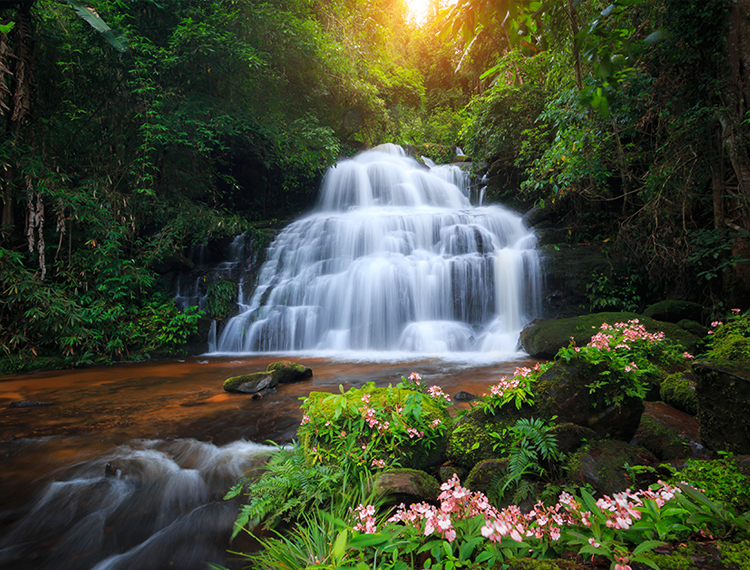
678, 391
601, 464
723, 392
282, 372
732, 348
472, 441
563, 391
480, 478
673, 311
406, 486
543, 339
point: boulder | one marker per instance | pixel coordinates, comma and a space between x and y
669, 433
673, 311
563, 391
542, 339
282, 372
601, 464
723, 393
287, 372
481, 477
251, 383
678, 390
570, 437
406, 486
477, 437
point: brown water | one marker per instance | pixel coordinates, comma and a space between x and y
129, 460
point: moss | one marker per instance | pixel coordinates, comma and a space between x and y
664, 442
231, 384
400, 484
482, 475
544, 339
733, 348
472, 439
535, 564
736, 553
679, 392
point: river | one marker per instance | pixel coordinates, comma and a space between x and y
127, 465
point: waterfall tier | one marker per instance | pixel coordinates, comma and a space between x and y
395, 258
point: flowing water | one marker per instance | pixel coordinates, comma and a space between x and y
127, 466
394, 259
394, 272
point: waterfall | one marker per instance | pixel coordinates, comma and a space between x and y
394, 258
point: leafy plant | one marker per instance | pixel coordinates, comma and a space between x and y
531, 452
221, 295
611, 294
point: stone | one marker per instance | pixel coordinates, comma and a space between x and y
673, 311
29, 404
481, 476
462, 396
669, 433
477, 437
570, 437
406, 486
251, 383
601, 464
563, 391
281, 372
723, 394
542, 339
287, 372
678, 390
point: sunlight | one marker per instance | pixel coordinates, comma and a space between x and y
418, 10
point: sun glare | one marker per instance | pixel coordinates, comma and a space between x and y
418, 10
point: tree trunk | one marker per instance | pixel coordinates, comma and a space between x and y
576, 47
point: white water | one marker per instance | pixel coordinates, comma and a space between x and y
395, 258
149, 505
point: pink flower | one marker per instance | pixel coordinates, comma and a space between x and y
687, 355
379, 463
305, 419
736, 311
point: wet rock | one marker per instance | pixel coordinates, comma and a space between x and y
446, 472
482, 475
669, 433
563, 391
406, 486
723, 407
476, 437
570, 437
678, 390
462, 396
542, 339
693, 327
282, 372
251, 383
287, 372
29, 404
601, 464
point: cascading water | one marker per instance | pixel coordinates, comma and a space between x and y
395, 258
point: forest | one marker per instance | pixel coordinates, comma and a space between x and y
137, 129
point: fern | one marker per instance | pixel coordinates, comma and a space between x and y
532, 445
287, 489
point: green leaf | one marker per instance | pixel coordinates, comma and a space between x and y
116, 39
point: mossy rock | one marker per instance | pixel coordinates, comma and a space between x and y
693, 327
665, 442
415, 453
601, 464
282, 372
678, 391
251, 383
571, 437
673, 311
740, 326
733, 348
481, 476
563, 391
723, 392
406, 486
544, 338
472, 441
287, 372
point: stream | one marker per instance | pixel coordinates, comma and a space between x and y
126, 466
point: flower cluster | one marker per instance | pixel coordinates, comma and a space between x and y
517, 388
366, 523
623, 336
437, 393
